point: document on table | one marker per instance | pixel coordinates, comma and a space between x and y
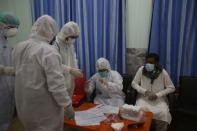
88, 117
107, 109
94, 115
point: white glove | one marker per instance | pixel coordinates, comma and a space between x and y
76, 72
69, 112
87, 88
1, 69
9, 71
105, 82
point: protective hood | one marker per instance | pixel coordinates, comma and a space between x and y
102, 63
44, 27
69, 29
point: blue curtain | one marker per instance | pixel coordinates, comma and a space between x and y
174, 36
102, 26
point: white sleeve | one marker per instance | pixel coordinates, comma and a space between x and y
137, 80
91, 85
66, 69
75, 57
13, 58
169, 86
55, 79
76, 61
116, 84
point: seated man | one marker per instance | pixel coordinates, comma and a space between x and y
108, 85
153, 83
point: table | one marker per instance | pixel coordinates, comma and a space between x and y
104, 126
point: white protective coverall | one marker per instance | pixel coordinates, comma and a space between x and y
6, 84
107, 95
40, 90
161, 86
65, 47
7, 104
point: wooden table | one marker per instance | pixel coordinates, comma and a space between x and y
106, 126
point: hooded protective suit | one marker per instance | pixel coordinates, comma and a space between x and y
40, 92
111, 92
6, 82
64, 45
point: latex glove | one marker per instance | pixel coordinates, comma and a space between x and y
9, 71
152, 97
1, 69
76, 72
105, 82
69, 112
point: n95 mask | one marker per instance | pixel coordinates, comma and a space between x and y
11, 32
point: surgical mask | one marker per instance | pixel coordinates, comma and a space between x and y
103, 74
70, 41
149, 67
11, 32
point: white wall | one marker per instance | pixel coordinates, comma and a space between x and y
22, 9
138, 22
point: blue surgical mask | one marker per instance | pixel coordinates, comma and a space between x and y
103, 74
149, 67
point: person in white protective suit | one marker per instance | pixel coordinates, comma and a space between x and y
108, 85
8, 28
153, 83
40, 92
64, 44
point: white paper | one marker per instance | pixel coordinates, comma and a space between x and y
95, 115
108, 109
89, 117
91, 121
83, 115
117, 126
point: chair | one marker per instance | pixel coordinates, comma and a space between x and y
187, 99
186, 107
79, 94
128, 90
